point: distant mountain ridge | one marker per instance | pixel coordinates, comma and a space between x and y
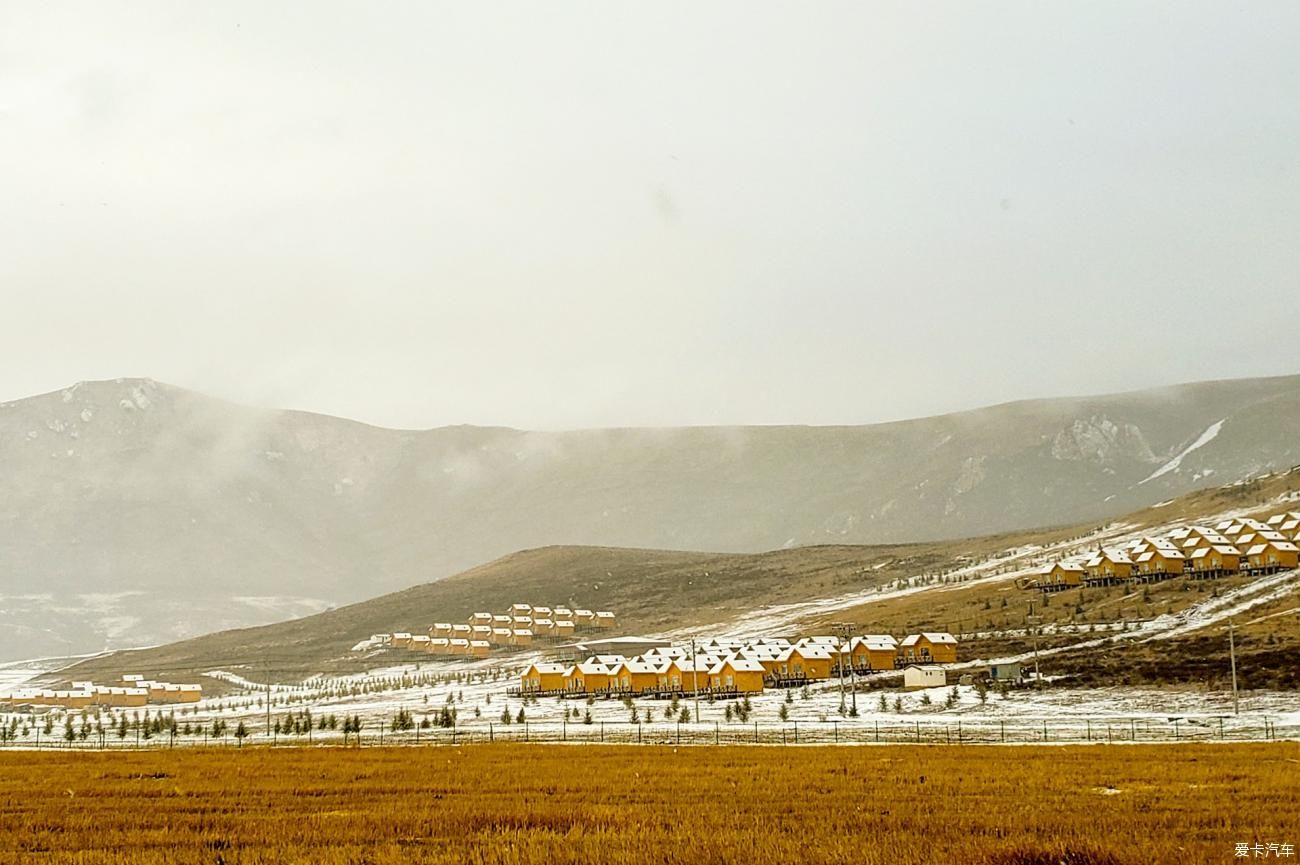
135, 512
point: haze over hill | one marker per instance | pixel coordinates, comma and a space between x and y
135, 512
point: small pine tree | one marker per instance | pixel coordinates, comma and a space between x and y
884, 704
784, 712
519, 719
586, 718
505, 715
685, 716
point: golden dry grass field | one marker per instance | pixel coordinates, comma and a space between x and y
557, 804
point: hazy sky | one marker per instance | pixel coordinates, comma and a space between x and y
587, 214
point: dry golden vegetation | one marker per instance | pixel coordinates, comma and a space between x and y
554, 804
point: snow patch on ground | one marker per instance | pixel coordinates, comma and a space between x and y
1205, 438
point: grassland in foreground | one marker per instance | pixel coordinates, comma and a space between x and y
556, 804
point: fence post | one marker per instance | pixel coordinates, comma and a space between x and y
836, 731
877, 731
638, 732
918, 732
1220, 727
796, 732
1044, 729
679, 732
1133, 728
602, 731
1003, 725
755, 732
959, 741
1088, 721
491, 733
525, 731
716, 732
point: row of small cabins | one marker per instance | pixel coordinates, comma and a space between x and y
481, 632
1231, 547
133, 691
724, 666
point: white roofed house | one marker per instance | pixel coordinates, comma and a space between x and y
635, 676
928, 647
1108, 566
605, 619
1251, 537
1219, 560
1159, 563
736, 675
1272, 556
1057, 576
869, 652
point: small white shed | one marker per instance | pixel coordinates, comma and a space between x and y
919, 676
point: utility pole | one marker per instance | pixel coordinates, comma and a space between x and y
268, 702
1232, 655
695, 679
844, 630
1032, 621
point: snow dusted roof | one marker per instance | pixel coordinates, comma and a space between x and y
739, 665
541, 668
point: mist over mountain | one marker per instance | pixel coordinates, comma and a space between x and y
133, 512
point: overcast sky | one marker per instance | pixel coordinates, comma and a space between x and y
587, 214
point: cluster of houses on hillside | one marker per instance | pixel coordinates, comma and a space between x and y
1231, 547
134, 690
725, 666
521, 625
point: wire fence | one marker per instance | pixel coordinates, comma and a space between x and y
1136, 730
